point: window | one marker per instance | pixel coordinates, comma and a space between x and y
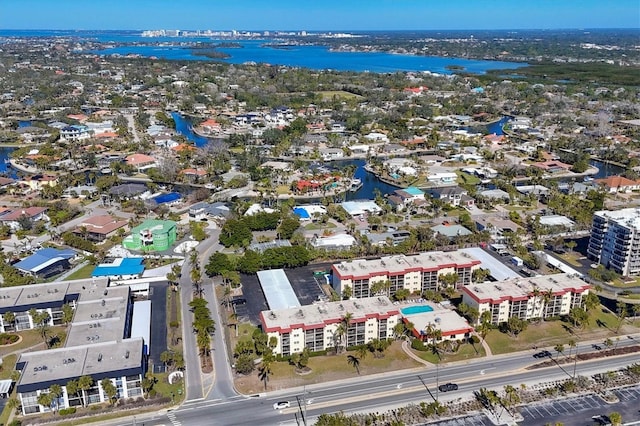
134, 387
30, 403
361, 288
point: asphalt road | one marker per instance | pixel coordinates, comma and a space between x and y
378, 393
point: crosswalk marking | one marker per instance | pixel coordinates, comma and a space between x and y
174, 421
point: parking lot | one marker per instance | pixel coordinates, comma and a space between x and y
580, 410
305, 285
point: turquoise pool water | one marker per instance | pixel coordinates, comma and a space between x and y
418, 309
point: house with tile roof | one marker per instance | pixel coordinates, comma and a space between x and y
99, 228
613, 184
141, 162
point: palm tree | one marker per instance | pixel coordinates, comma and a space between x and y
621, 309
265, 372
559, 348
338, 335
45, 400
572, 344
354, 361
13, 403
84, 384
55, 391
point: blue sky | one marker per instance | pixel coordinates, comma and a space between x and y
319, 14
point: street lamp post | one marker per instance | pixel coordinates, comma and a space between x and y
575, 362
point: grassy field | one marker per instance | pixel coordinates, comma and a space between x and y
626, 284
328, 95
319, 226
82, 273
601, 325
326, 368
465, 352
467, 178
30, 338
571, 258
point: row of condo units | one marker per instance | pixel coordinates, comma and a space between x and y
369, 315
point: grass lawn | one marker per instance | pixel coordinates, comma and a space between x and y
326, 368
571, 258
30, 338
328, 95
283, 189
174, 333
465, 352
467, 178
8, 365
164, 388
626, 284
549, 333
84, 272
319, 226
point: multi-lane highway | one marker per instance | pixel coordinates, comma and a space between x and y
380, 392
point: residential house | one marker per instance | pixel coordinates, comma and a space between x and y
613, 184
13, 218
99, 228
140, 162
204, 210
451, 195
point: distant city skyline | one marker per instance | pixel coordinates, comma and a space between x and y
323, 15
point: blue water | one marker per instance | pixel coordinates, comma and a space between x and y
497, 126
183, 127
316, 57
167, 198
417, 309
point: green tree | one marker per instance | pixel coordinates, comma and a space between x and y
514, 326
45, 399
67, 313
84, 384
55, 391
109, 389
218, 263
287, 227
244, 364
41, 320
616, 418
354, 361
9, 319
250, 263
73, 388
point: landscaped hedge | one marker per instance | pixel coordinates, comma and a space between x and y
418, 345
67, 411
7, 339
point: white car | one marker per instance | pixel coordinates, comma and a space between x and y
281, 404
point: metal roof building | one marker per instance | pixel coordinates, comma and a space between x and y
46, 262
277, 289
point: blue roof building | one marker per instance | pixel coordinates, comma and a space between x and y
122, 268
46, 262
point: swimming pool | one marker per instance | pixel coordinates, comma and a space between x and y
417, 309
167, 198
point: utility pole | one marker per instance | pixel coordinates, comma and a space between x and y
575, 362
437, 379
428, 390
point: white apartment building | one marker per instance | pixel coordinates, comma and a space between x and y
525, 297
615, 240
317, 327
416, 273
100, 343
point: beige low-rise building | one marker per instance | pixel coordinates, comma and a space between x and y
416, 273
330, 324
526, 298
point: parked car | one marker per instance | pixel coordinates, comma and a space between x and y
542, 354
281, 404
448, 387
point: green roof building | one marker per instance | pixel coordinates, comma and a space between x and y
151, 235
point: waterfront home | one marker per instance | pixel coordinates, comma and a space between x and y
496, 226
552, 166
613, 184
361, 208
329, 154
402, 198
37, 182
